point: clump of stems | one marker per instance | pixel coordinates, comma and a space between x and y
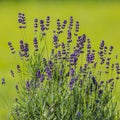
72, 82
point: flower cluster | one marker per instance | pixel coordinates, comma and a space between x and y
70, 84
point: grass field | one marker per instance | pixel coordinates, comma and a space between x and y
98, 20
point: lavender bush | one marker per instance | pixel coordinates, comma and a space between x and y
68, 83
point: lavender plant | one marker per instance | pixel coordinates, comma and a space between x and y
72, 82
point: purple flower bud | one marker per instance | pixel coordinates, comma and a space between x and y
41, 21
97, 101
65, 22
111, 47
35, 20
9, 43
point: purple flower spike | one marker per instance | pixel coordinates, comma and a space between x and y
100, 93
3, 81
94, 81
35, 24
78, 115
102, 44
27, 85
64, 24
17, 88
55, 41
21, 20
69, 35
42, 77
12, 73
42, 26
49, 73
50, 63
38, 74
16, 99
77, 27
18, 68
72, 72
61, 72
47, 22
110, 80
71, 83
11, 47
36, 44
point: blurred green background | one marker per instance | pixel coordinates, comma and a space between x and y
99, 19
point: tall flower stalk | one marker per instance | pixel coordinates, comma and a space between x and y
74, 81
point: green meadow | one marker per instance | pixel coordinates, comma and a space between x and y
98, 20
